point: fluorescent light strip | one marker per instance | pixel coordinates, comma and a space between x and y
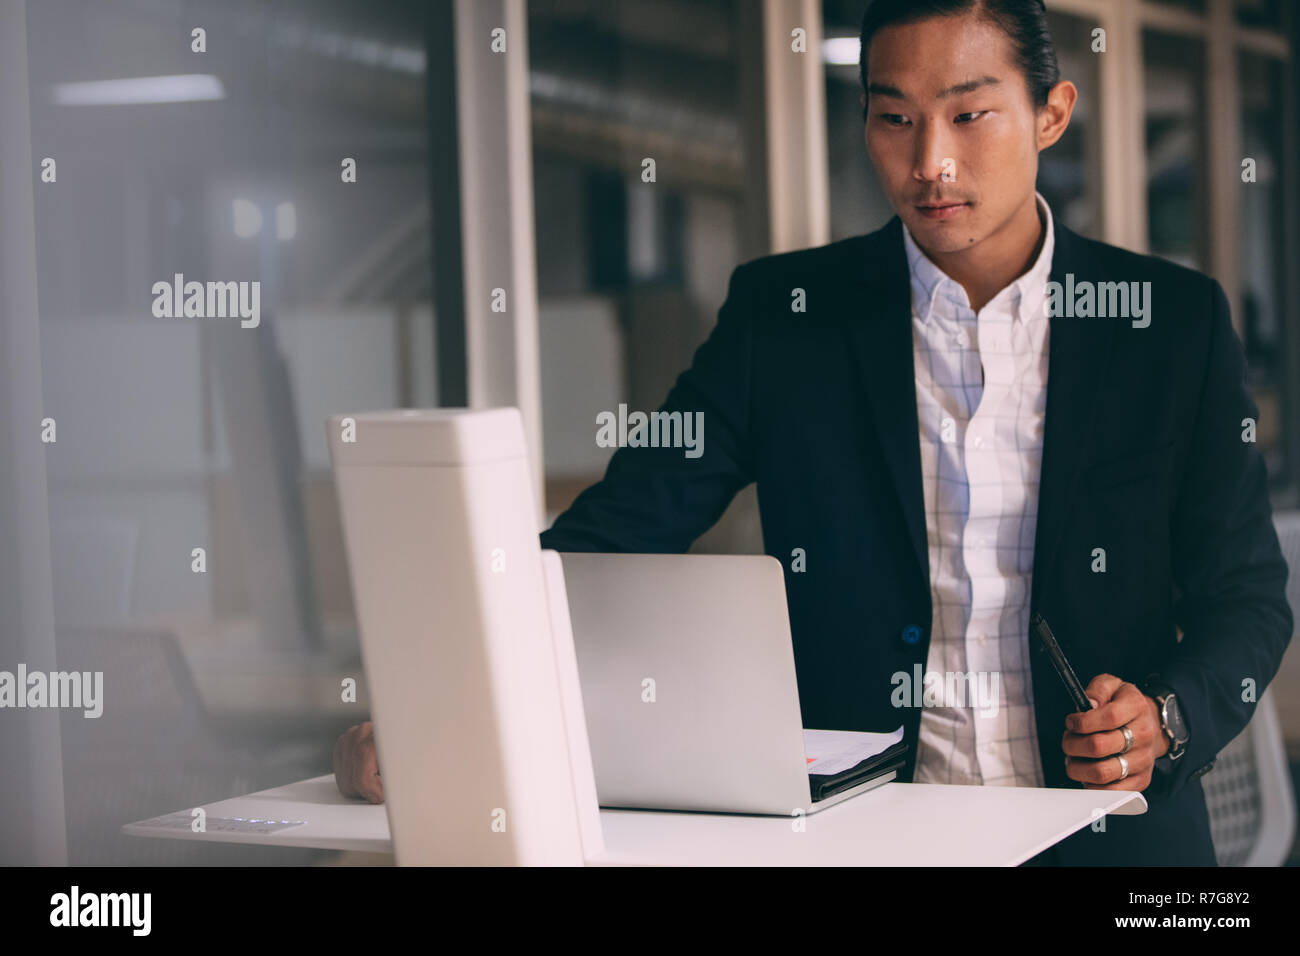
841, 51
183, 88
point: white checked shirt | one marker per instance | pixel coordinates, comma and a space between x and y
981, 451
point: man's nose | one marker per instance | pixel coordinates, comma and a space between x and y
934, 160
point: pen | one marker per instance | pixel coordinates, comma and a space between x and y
1068, 677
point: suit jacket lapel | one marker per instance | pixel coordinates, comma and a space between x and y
879, 306
1079, 357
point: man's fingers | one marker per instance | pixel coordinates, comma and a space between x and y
1104, 774
343, 773
1093, 746
1105, 743
1116, 709
367, 780
1103, 687
1108, 769
356, 763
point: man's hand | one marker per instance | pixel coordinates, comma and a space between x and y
356, 764
1093, 738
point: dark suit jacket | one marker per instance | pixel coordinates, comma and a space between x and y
1143, 456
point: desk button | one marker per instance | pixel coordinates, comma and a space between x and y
911, 634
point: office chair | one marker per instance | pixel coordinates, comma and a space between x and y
1249, 791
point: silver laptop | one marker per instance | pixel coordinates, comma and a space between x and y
688, 683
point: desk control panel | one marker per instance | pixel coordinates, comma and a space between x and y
183, 820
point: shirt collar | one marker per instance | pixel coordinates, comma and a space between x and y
930, 283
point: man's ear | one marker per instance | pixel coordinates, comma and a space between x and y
1054, 118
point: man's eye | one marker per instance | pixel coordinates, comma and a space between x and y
893, 119
969, 117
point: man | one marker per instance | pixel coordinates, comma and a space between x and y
1060, 427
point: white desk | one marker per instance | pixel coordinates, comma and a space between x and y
897, 824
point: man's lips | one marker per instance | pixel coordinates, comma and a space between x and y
943, 210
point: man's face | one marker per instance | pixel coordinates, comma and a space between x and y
950, 129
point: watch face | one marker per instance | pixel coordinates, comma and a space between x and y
1174, 719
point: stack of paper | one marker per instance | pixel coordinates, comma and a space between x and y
840, 759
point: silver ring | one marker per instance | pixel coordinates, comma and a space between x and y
1128, 739
1123, 766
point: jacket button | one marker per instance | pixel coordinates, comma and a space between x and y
911, 634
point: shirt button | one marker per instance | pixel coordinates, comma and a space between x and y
978, 442
960, 340
981, 637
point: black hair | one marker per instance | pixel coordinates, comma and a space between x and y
1024, 21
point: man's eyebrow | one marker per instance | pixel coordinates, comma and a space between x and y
969, 86
881, 89
884, 89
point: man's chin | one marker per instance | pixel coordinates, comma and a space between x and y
940, 238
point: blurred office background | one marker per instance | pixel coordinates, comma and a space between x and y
476, 170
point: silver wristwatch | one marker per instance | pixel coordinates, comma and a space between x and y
1171, 717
